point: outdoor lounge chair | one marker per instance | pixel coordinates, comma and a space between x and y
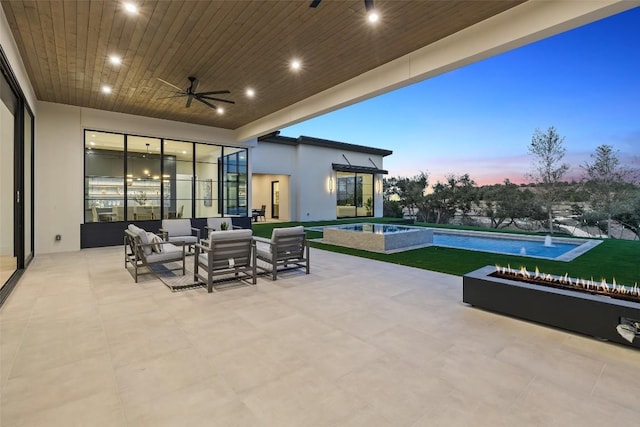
180, 230
287, 248
225, 253
141, 252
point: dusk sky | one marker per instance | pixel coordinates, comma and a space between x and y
479, 119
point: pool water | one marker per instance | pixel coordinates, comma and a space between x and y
509, 246
374, 228
560, 249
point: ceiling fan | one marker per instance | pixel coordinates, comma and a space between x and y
191, 93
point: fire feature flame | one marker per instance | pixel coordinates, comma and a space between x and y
614, 289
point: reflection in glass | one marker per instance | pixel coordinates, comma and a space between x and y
104, 177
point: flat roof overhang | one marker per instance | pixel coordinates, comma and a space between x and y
338, 167
521, 25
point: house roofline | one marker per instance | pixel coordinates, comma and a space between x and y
276, 138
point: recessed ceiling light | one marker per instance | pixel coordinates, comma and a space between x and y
92, 143
93, 135
296, 65
184, 151
131, 8
106, 89
251, 93
115, 60
373, 17
220, 110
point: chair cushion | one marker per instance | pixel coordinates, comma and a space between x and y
156, 241
186, 239
286, 231
144, 239
169, 253
177, 227
230, 235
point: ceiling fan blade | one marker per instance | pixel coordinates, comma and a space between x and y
172, 85
214, 99
173, 96
207, 103
215, 92
194, 85
189, 99
314, 3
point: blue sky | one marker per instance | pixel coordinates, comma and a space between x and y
479, 119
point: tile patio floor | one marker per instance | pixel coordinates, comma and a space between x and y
356, 343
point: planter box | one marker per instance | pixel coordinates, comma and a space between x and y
576, 311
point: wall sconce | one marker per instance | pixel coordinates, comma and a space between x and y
330, 185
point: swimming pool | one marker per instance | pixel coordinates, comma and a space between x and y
558, 249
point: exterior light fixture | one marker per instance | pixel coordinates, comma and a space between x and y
372, 14
296, 65
106, 89
250, 93
115, 60
220, 110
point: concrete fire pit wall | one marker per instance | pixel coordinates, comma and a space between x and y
576, 311
378, 242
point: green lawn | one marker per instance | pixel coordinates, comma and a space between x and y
619, 259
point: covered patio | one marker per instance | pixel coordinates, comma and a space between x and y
356, 342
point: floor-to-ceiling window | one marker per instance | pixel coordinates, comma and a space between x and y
136, 178
104, 183
354, 194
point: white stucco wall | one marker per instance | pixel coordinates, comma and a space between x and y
310, 170
60, 163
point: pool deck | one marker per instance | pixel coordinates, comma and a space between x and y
357, 342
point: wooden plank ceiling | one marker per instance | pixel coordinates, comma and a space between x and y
226, 44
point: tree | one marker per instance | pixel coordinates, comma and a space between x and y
410, 192
458, 193
548, 168
607, 182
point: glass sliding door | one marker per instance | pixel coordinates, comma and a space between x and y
28, 184
354, 195
16, 180
8, 241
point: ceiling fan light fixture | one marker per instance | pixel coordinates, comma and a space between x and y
372, 16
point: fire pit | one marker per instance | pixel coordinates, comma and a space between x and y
605, 310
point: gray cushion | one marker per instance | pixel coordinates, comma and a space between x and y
286, 231
169, 253
230, 235
144, 239
177, 227
186, 239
